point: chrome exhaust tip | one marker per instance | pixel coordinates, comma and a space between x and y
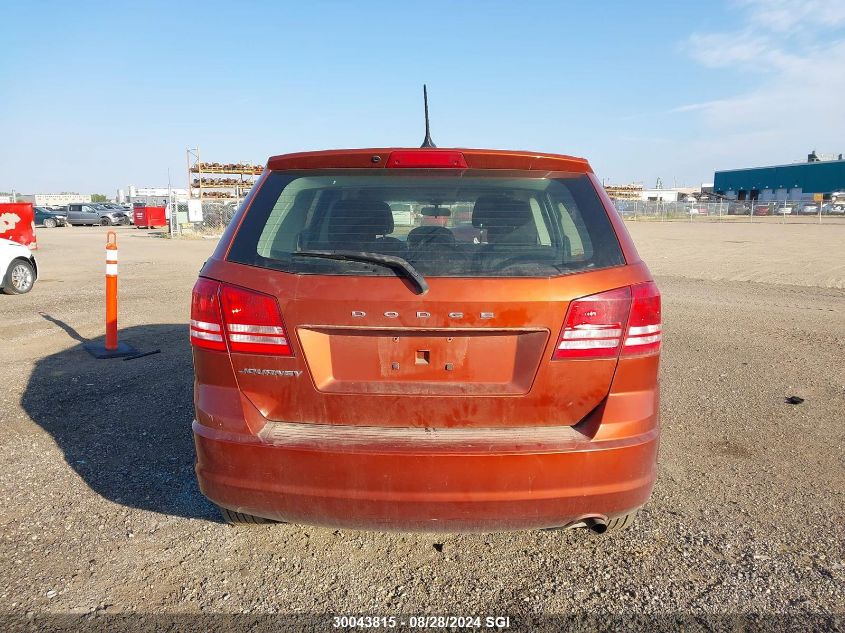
597, 524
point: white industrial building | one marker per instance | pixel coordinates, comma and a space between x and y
659, 195
673, 194
155, 195
55, 199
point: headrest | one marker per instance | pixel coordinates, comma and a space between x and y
430, 236
359, 220
497, 212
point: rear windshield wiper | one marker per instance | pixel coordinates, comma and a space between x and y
391, 261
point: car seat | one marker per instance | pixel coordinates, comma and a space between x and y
430, 236
362, 225
510, 227
433, 248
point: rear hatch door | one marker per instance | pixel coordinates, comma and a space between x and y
503, 255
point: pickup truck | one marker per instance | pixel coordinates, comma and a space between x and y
90, 215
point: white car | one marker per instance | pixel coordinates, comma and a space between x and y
18, 270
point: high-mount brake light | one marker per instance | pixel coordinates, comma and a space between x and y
625, 320
253, 322
645, 328
426, 158
595, 325
249, 320
206, 320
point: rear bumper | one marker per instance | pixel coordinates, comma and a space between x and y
372, 481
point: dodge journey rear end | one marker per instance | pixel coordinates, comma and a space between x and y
427, 339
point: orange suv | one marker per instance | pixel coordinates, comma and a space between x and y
427, 339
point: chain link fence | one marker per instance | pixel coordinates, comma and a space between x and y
201, 218
209, 218
732, 211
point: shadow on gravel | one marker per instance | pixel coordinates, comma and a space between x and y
125, 426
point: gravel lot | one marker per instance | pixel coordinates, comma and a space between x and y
104, 524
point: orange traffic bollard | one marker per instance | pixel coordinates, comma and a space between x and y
111, 291
112, 347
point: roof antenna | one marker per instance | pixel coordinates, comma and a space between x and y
427, 142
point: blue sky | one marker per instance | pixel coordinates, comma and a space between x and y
98, 95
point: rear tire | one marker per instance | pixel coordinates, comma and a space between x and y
620, 523
242, 518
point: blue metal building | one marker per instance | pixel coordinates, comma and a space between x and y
782, 182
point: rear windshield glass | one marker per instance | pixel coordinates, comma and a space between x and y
472, 223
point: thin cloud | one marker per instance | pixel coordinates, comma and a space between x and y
782, 16
795, 83
693, 107
719, 50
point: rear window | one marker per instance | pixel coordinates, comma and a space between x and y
472, 223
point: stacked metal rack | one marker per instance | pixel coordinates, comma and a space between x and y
219, 181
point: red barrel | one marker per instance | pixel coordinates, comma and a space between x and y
17, 223
151, 217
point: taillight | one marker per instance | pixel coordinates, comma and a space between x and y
645, 329
594, 325
249, 320
625, 320
206, 319
253, 322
